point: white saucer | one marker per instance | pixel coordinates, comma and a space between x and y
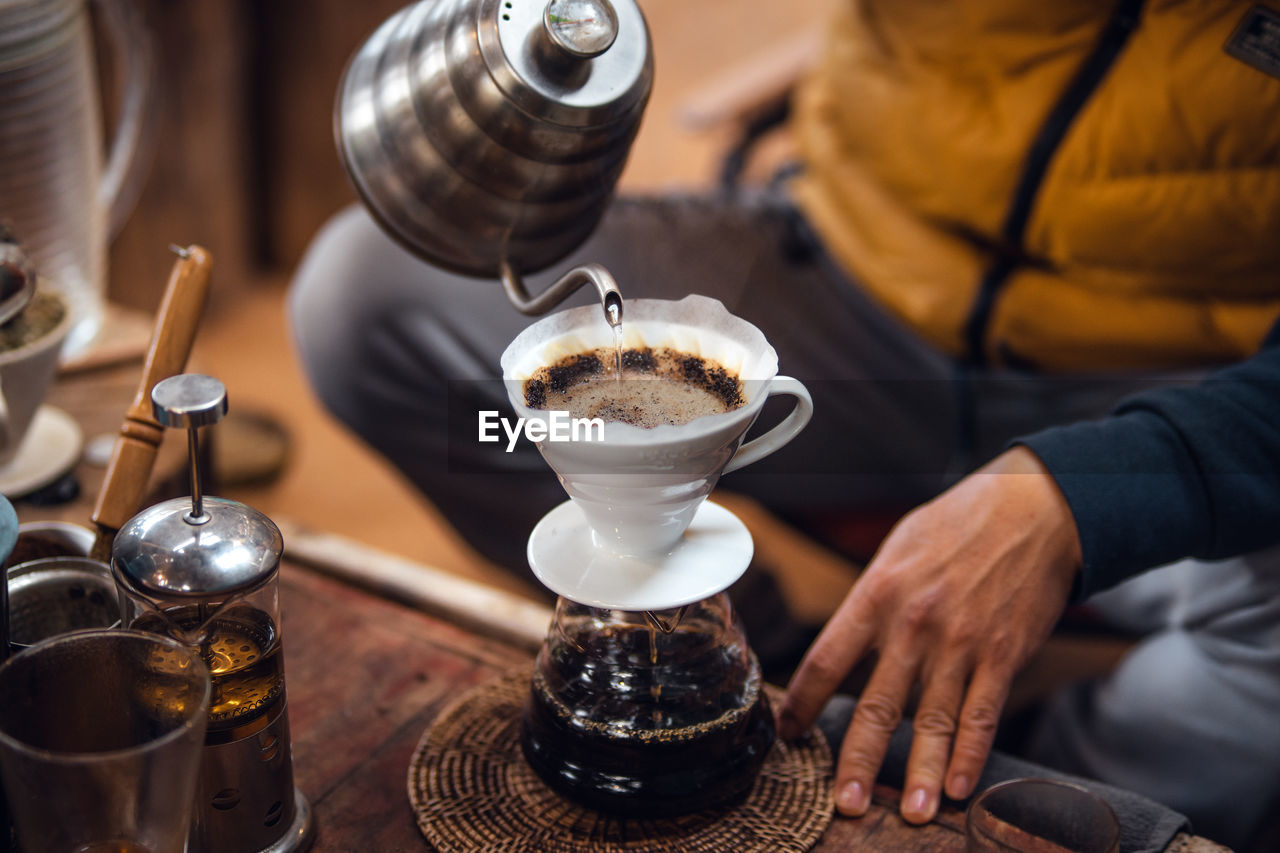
50, 448
714, 552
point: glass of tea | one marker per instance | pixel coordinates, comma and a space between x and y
101, 736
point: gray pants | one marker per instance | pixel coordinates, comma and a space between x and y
1191, 717
405, 354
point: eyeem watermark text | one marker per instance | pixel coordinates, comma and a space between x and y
558, 426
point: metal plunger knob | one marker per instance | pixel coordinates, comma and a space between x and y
190, 400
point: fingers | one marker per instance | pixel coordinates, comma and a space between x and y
876, 717
953, 734
934, 729
954, 726
978, 721
842, 643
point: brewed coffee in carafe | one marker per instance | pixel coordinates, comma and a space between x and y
647, 714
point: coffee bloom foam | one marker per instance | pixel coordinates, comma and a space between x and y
697, 325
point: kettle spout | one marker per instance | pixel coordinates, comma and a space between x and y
612, 301
596, 274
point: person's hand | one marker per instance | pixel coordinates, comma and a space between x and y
960, 595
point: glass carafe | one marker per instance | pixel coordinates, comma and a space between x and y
647, 713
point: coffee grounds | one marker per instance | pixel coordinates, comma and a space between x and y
713, 378
42, 315
561, 376
641, 360
672, 364
35, 546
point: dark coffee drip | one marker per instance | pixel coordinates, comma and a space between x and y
666, 626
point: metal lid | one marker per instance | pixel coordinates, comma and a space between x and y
162, 552
195, 547
579, 63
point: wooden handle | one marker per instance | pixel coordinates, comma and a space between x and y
140, 435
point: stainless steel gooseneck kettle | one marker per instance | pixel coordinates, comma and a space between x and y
487, 136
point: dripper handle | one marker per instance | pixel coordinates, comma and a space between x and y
17, 275
132, 145
761, 446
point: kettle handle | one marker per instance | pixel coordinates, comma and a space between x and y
130, 157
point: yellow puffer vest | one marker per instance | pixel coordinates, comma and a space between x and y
1151, 234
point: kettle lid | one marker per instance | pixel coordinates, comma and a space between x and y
583, 55
203, 546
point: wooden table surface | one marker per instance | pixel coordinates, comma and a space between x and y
367, 674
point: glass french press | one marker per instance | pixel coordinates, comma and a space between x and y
205, 572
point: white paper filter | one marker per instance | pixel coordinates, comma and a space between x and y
698, 325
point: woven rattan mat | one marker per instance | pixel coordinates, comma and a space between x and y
471, 790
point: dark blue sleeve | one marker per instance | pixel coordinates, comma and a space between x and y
1174, 472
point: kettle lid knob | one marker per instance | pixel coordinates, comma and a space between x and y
581, 28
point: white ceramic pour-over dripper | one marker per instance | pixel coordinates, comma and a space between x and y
625, 540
